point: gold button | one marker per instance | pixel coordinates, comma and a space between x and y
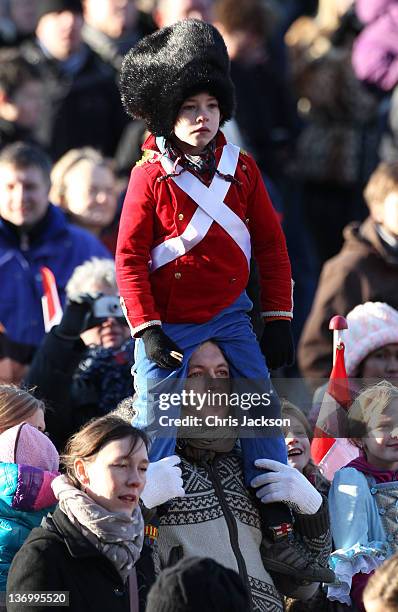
244, 167
232, 280
180, 216
177, 275
247, 221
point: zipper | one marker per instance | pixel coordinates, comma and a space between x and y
24, 242
232, 529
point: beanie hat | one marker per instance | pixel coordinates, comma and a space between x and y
195, 584
26, 445
56, 6
168, 66
370, 326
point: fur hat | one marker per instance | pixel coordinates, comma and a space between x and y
168, 66
370, 326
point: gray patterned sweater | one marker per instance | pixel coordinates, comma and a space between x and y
218, 518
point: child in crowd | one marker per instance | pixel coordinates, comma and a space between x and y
21, 98
362, 498
195, 209
298, 438
29, 463
381, 592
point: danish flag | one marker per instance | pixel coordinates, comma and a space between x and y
52, 309
329, 449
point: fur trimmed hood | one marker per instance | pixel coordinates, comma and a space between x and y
167, 67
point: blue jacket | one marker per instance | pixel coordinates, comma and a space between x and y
54, 243
25, 498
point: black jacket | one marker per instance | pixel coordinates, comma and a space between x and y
57, 557
83, 109
78, 382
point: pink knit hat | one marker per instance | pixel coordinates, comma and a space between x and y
370, 326
27, 445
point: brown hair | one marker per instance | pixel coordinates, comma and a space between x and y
252, 16
93, 436
311, 471
383, 585
16, 405
382, 182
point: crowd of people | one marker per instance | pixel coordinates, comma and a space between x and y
208, 182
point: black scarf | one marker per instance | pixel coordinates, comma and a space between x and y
203, 166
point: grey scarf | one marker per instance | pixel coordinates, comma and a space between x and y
115, 535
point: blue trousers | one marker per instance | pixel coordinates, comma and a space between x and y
231, 330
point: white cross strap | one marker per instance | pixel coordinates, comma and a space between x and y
211, 207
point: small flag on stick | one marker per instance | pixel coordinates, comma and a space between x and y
329, 448
52, 310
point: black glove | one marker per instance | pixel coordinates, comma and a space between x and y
159, 348
277, 344
75, 319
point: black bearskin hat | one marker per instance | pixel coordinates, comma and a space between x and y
170, 65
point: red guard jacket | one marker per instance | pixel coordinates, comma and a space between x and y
199, 284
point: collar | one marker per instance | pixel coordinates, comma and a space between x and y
362, 465
73, 64
53, 223
75, 542
150, 142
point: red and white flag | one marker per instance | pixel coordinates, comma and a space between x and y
329, 449
52, 309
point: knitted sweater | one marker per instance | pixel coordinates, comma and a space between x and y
219, 518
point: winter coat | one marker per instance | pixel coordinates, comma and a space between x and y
10, 132
25, 498
78, 382
53, 243
155, 211
60, 558
82, 107
219, 518
365, 270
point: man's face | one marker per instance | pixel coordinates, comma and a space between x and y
113, 17
390, 213
23, 195
60, 33
171, 11
208, 376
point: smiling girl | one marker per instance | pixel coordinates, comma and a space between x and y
362, 499
298, 438
90, 544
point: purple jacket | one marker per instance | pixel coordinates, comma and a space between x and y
375, 51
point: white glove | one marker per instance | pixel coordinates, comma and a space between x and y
163, 482
285, 484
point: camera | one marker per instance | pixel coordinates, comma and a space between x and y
107, 306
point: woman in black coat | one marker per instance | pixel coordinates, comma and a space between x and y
89, 547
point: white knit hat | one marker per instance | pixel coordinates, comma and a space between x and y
370, 326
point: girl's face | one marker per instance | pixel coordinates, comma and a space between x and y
116, 477
381, 443
382, 363
37, 420
90, 194
197, 123
298, 445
